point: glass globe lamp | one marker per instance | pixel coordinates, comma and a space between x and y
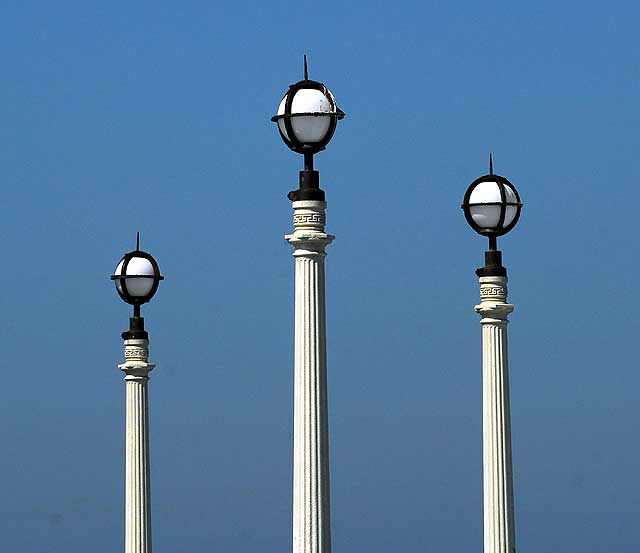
307, 116
137, 277
492, 205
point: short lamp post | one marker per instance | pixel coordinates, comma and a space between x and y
307, 118
492, 208
136, 277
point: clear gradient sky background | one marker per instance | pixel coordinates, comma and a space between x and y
154, 116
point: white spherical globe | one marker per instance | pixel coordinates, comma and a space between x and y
308, 129
136, 287
488, 216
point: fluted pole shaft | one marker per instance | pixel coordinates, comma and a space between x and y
137, 469
499, 520
311, 507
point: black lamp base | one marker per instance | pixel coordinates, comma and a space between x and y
309, 187
136, 330
492, 265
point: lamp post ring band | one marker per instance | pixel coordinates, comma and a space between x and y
337, 114
121, 277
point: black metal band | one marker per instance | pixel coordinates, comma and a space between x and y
503, 207
277, 118
123, 271
124, 277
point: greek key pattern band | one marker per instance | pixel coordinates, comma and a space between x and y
492, 291
136, 353
316, 218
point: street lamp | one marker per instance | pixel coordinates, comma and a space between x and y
492, 205
307, 118
492, 208
136, 277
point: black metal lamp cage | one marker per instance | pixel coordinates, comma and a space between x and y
503, 184
290, 138
121, 278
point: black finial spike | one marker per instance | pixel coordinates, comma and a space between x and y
491, 164
137, 241
306, 71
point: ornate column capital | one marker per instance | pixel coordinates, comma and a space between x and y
493, 300
309, 238
136, 354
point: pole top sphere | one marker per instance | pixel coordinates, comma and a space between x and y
307, 115
492, 204
137, 276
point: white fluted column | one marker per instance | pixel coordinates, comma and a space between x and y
499, 521
137, 537
311, 510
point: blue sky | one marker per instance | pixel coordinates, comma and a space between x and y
154, 117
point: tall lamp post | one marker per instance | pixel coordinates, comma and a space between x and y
492, 208
136, 277
307, 118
